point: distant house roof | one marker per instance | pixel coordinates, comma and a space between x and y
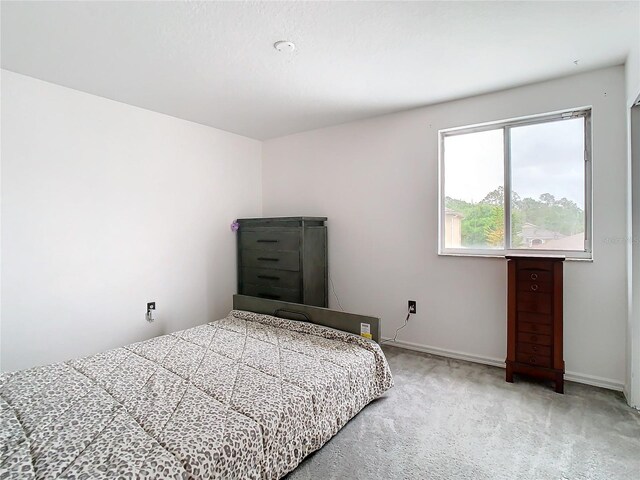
572, 242
448, 211
529, 230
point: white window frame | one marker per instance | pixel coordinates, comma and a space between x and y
506, 125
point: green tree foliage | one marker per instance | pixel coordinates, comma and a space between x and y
562, 216
480, 219
483, 222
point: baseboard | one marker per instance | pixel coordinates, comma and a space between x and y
496, 362
595, 381
441, 352
630, 401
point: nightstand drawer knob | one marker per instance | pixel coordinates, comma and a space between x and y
534, 287
532, 359
534, 348
534, 276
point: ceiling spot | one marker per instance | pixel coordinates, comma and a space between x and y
284, 46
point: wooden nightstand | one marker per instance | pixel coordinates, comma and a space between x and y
534, 318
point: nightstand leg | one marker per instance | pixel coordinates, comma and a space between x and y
509, 377
559, 383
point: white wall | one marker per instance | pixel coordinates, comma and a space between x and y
105, 207
632, 390
632, 71
377, 182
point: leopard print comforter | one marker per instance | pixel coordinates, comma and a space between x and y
245, 397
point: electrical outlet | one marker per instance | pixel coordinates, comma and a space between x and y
412, 306
151, 306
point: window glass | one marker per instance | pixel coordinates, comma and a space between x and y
474, 190
547, 184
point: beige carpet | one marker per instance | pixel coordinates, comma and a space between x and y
448, 419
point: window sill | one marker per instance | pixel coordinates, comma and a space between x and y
502, 256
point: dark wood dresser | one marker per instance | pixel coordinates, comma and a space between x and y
284, 258
534, 319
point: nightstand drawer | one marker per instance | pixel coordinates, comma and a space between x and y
534, 328
534, 338
534, 275
534, 302
271, 260
536, 360
534, 318
535, 287
271, 277
273, 293
534, 349
270, 239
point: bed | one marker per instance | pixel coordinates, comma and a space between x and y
247, 397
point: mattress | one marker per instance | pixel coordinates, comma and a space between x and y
246, 397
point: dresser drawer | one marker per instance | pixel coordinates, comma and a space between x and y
273, 293
534, 275
270, 239
534, 318
531, 286
534, 328
534, 338
533, 348
274, 278
270, 259
534, 302
535, 264
533, 359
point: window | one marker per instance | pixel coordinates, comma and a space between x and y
517, 187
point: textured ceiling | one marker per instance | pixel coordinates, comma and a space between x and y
214, 62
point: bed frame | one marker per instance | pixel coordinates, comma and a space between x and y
347, 322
